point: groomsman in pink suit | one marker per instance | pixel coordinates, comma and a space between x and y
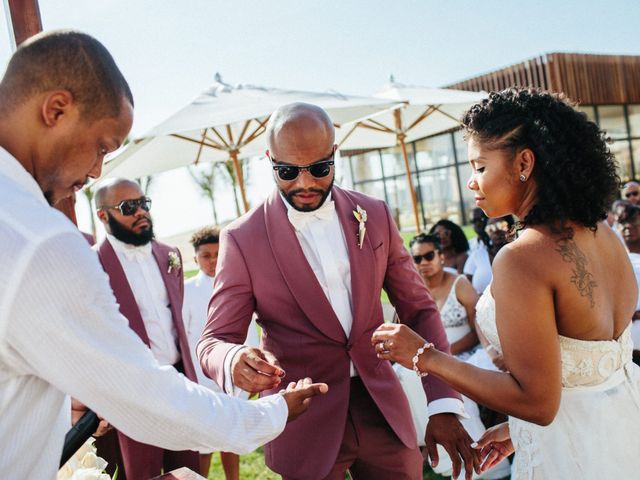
311, 261
147, 281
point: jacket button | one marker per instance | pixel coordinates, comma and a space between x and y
348, 346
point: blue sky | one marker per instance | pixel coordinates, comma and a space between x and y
169, 50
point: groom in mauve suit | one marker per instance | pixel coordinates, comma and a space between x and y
303, 263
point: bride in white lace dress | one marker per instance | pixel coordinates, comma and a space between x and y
561, 301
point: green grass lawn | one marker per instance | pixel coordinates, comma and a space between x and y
252, 467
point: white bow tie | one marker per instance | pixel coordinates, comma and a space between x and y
137, 254
300, 220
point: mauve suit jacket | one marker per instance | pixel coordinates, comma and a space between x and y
174, 284
262, 268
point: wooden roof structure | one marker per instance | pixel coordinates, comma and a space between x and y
585, 78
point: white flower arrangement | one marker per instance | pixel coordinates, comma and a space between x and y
84, 465
174, 262
361, 216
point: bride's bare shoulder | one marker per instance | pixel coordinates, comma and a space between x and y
532, 254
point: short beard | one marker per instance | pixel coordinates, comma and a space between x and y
127, 236
324, 193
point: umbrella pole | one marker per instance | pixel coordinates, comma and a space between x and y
238, 169
412, 190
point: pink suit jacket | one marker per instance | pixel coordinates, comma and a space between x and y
174, 283
262, 268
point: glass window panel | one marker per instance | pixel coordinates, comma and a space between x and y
634, 121
440, 195
468, 196
589, 110
461, 148
434, 152
366, 166
620, 148
393, 161
612, 121
400, 202
374, 189
636, 156
343, 172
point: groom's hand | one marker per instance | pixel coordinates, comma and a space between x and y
446, 429
298, 396
255, 370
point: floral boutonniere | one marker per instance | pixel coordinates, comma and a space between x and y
361, 216
174, 262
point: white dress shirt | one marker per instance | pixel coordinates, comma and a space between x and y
478, 266
197, 294
61, 334
150, 292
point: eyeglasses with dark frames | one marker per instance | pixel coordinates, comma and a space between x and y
129, 207
319, 169
429, 256
632, 194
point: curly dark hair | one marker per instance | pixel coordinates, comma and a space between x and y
426, 238
458, 238
575, 172
205, 236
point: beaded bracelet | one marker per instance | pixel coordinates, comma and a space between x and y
415, 359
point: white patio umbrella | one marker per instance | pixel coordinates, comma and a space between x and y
422, 112
223, 124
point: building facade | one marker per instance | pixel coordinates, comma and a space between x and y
607, 89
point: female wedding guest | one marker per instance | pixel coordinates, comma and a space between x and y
629, 227
455, 246
453, 293
560, 304
456, 300
478, 266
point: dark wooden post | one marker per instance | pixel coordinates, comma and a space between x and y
25, 19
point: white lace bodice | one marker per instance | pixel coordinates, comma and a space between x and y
453, 312
584, 363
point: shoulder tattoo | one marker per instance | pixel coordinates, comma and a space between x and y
581, 277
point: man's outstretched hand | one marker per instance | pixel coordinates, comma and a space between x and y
445, 429
298, 396
255, 370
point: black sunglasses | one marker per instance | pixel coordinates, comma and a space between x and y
129, 207
632, 194
319, 169
427, 256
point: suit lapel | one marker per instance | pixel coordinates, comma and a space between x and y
297, 273
122, 290
361, 262
172, 282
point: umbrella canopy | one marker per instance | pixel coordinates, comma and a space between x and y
223, 124
422, 112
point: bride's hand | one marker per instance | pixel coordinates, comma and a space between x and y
396, 342
495, 445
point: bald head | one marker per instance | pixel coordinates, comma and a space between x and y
299, 124
302, 135
112, 191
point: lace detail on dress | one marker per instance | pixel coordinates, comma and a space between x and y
584, 363
453, 312
485, 319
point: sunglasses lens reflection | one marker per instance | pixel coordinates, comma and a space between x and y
427, 256
129, 207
